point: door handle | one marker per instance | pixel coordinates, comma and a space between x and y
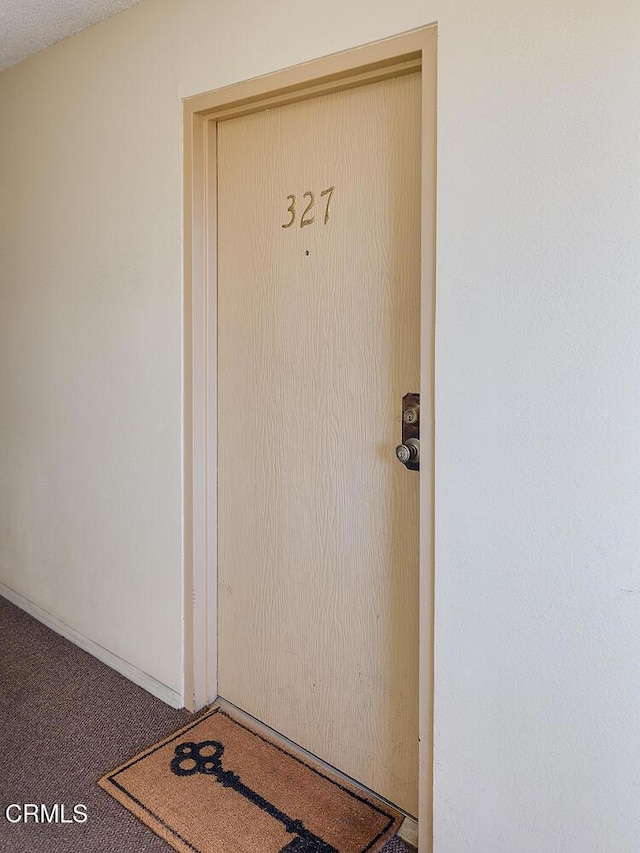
409, 451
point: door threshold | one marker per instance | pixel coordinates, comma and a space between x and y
409, 831
408, 828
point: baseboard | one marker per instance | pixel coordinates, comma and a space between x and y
409, 827
142, 679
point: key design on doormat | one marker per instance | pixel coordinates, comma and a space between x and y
206, 758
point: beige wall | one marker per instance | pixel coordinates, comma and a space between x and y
537, 537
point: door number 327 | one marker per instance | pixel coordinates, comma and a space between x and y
306, 218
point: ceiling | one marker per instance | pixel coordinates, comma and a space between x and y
27, 26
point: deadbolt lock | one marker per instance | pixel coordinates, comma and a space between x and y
409, 451
411, 415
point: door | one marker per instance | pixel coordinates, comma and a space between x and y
318, 341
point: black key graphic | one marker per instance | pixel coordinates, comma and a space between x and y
205, 757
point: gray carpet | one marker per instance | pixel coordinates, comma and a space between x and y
65, 719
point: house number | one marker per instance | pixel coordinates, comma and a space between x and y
307, 218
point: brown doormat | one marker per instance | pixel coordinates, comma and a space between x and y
215, 786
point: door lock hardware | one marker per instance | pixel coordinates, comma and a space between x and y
411, 415
409, 451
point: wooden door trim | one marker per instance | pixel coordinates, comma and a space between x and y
370, 63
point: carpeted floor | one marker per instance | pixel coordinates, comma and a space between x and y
65, 719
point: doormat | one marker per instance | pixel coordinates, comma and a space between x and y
216, 786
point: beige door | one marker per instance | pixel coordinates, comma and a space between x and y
318, 340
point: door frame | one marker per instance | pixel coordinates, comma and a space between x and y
402, 54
